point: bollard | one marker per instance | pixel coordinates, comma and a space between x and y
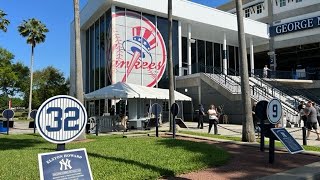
304, 136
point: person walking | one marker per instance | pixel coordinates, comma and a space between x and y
318, 112
200, 116
213, 119
265, 71
302, 114
312, 122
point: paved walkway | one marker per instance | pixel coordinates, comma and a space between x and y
21, 127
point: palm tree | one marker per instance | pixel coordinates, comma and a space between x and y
78, 59
3, 22
34, 31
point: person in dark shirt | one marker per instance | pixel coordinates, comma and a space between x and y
303, 117
200, 116
312, 122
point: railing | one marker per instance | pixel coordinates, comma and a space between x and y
257, 92
304, 95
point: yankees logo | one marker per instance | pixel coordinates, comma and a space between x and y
138, 50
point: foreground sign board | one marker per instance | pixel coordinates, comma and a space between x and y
70, 164
287, 140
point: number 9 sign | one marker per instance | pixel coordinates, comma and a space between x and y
274, 111
61, 119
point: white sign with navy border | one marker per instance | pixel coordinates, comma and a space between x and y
70, 164
61, 119
274, 111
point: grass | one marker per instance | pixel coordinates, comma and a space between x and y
277, 143
113, 157
233, 138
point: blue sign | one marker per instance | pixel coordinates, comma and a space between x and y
61, 119
261, 110
287, 140
300, 25
33, 114
156, 109
8, 113
70, 164
174, 109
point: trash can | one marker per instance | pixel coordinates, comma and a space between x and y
2, 129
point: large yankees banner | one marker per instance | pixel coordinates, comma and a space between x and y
138, 50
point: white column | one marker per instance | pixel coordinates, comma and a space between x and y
113, 63
189, 48
251, 57
180, 48
224, 55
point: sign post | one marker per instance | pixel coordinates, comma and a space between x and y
33, 114
274, 113
156, 109
174, 110
8, 114
61, 119
261, 113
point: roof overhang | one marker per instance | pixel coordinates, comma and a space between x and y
207, 23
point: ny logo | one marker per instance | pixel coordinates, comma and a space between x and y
65, 164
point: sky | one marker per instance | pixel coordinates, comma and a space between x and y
57, 16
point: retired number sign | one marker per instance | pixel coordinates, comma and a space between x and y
274, 111
61, 119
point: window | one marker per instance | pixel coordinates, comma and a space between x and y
282, 3
259, 8
298, 1
247, 12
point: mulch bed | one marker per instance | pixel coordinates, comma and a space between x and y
248, 163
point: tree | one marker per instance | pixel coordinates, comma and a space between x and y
247, 124
34, 31
78, 58
48, 82
3, 22
170, 66
12, 76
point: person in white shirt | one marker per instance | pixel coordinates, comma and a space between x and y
265, 71
213, 119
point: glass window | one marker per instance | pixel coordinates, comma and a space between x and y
91, 58
209, 57
201, 55
87, 65
247, 12
231, 60
259, 8
282, 3
184, 52
97, 56
108, 47
217, 56
102, 52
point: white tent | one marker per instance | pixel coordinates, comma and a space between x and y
122, 90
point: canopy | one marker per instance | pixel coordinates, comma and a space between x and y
121, 90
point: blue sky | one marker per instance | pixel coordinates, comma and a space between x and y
57, 16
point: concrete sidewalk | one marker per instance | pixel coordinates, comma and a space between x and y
21, 127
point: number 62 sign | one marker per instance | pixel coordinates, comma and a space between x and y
274, 111
61, 119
